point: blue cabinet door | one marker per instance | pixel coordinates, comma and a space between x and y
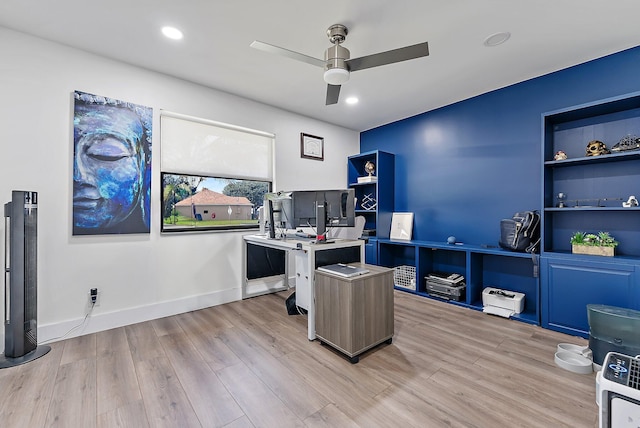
568, 286
371, 251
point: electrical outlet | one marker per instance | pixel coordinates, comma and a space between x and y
93, 296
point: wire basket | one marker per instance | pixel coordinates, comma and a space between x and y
405, 277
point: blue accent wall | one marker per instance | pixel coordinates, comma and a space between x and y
463, 167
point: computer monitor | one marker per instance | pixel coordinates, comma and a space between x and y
304, 208
277, 213
335, 207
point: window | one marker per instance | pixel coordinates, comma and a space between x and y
196, 202
214, 176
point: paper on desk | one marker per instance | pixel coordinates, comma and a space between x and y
501, 312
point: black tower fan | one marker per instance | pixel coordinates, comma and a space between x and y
20, 280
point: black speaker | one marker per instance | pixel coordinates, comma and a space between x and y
21, 280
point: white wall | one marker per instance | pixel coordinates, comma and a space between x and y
140, 277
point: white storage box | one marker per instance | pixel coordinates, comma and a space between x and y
405, 277
503, 299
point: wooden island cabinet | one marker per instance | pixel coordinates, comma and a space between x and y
355, 314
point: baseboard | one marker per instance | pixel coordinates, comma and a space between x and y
105, 321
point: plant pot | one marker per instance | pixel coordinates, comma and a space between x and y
592, 250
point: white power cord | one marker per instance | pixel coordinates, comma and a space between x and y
72, 328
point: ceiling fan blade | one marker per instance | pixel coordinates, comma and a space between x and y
286, 52
389, 57
333, 92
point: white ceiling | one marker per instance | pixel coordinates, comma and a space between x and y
546, 35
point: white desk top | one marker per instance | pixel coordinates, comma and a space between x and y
294, 243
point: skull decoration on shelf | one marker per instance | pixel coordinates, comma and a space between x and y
596, 148
560, 155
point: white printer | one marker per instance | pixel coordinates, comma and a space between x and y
502, 302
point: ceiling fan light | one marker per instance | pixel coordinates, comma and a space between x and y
336, 76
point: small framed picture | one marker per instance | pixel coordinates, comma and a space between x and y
311, 147
401, 226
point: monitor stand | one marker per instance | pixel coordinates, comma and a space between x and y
272, 226
321, 223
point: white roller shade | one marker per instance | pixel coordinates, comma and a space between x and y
190, 145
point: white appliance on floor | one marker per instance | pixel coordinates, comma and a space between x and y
618, 391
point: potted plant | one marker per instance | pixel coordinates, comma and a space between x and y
601, 244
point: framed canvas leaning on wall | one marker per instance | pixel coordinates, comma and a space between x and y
401, 226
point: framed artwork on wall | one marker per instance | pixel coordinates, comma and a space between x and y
311, 147
111, 165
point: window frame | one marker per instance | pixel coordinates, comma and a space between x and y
166, 228
197, 144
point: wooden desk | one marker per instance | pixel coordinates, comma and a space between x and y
355, 314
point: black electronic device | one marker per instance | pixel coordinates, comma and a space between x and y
455, 292
272, 226
445, 277
449, 286
622, 369
20, 278
322, 209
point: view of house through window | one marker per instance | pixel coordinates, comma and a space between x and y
195, 202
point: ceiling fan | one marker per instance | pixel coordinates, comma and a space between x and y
337, 62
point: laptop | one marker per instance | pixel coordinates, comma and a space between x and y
346, 271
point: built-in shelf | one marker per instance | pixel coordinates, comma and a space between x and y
586, 160
572, 209
481, 266
594, 186
377, 195
571, 281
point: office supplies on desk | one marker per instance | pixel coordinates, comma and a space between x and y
305, 235
344, 270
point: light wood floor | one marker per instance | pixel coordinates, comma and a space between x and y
249, 364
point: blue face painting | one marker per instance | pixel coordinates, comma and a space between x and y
109, 165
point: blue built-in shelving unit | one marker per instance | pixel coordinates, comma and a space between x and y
595, 187
374, 197
463, 167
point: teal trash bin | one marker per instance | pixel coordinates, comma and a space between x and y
613, 329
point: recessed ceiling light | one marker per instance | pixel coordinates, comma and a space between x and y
172, 33
497, 39
351, 100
